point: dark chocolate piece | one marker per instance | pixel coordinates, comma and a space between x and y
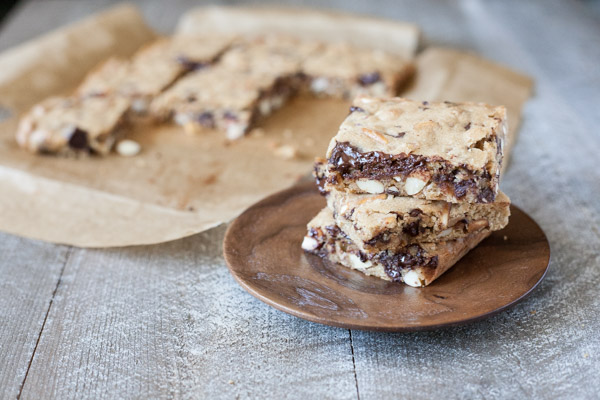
369, 79
206, 119
79, 140
352, 164
408, 258
191, 65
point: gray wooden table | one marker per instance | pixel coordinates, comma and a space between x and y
169, 321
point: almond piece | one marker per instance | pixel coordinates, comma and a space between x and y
375, 135
413, 186
426, 126
477, 225
378, 197
388, 114
370, 186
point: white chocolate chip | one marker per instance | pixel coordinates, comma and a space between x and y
36, 139
140, 105
319, 85
413, 186
235, 131
265, 107
357, 263
366, 99
393, 189
181, 119
128, 148
286, 152
411, 278
370, 186
398, 178
309, 243
378, 89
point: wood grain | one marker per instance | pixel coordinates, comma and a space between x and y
27, 283
168, 321
262, 250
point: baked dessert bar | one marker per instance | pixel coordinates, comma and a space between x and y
153, 68
278, 55
436, 151
217, 97
73, 124
343, 71
416, 264
383, 222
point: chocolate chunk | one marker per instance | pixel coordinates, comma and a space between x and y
415, 212
354, 108
383, 237
486, 196
333, 230
189, 64
465, 225
462, 187
79, 140
369, 79
319, 177
206, 119
347, 162
412, 229
407, 258
350, 162
228, 115
363, 257
397, 135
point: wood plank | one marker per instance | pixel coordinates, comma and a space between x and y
29, 272
547, 346
169, 321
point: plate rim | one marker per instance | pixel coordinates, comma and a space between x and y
310, 186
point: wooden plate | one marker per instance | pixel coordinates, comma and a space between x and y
262, 250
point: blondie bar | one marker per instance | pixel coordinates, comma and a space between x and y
416, 264
153, 68
383, 222
344, 71
221, 98
73, 124
431, 150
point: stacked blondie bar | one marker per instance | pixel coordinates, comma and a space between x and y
411, 187
199, 82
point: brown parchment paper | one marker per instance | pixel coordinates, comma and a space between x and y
179, 185
393, 36
454, 75
58, 61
